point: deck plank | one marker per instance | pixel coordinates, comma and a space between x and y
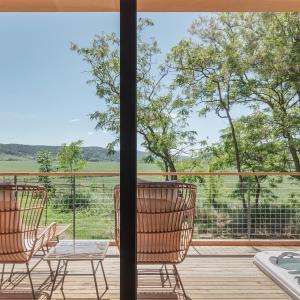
213, 273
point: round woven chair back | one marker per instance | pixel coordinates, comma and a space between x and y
21, 209
165, 221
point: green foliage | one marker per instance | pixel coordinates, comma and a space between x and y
45, 161
208, 67
259, 148
260, 152
162, 114
64, 203
193, 164
245, 59
230, 61
271, 78
250, 60
70, 157
213, 187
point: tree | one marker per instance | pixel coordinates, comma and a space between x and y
271, 46
236, 59
260, 151
70, 157
44, 159
162, 124
162, 113
208, 67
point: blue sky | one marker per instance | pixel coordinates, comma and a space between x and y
43, 92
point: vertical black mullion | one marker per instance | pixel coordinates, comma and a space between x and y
128, 143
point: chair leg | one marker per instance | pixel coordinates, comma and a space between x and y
168, 276
11, 273
30, 279
164, 274
2, 276
161, 271
179, 282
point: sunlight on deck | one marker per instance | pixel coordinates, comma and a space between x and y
207, 273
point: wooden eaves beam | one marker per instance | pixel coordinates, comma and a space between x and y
150, 5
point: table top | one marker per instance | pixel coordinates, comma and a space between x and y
78, 250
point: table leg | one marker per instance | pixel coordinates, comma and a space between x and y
54, 279
50, 269
64, 274
95, 279
102, 268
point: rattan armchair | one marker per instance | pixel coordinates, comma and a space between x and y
21, 209
165, 222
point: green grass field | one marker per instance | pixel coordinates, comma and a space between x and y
103, 166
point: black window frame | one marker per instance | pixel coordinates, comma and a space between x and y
128, 148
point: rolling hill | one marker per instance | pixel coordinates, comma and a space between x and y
15, 152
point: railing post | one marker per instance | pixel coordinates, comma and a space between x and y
74, 206
15, 180
248, 208
46, 209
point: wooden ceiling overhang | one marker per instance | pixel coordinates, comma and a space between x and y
150, 5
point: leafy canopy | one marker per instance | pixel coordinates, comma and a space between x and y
70, 157
162, 113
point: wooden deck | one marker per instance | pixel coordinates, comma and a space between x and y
207, 273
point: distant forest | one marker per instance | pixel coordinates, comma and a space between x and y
13, 152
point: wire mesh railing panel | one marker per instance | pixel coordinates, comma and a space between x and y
226, 209
220, 209
226, 206
85, 203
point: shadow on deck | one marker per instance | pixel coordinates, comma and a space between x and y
207, 273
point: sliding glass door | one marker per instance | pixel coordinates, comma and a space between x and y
104, 37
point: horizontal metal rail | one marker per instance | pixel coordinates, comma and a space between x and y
115, 174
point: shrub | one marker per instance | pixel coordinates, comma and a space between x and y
64, 202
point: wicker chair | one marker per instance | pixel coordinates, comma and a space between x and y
21, 209
165, 222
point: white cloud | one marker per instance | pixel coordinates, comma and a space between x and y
90, 132
74, 120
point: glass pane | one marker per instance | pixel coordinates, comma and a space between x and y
60, 113
218, 96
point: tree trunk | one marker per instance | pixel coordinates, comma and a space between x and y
294, 153
166, 170
237, 158
290, 140
257, 191
172, 168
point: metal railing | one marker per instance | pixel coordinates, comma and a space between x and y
261, 205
